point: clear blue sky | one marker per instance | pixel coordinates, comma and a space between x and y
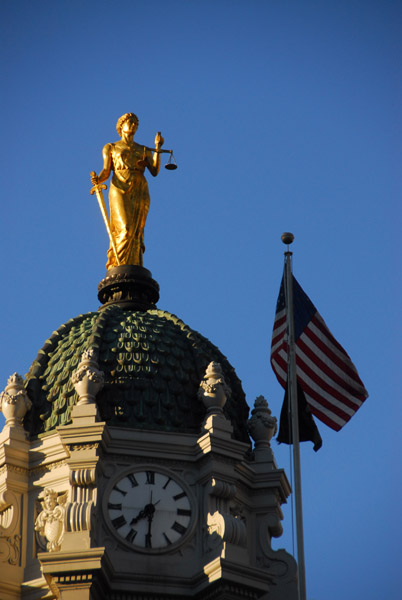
284, 116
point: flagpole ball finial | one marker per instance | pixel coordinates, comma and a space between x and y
287, 237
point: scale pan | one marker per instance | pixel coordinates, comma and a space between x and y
170, 166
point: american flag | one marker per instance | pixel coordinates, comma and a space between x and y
329, 379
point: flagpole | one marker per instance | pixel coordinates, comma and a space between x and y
287, 238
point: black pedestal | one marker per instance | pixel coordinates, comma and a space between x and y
129, 286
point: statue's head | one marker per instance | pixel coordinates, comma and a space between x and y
123, 119
50, 499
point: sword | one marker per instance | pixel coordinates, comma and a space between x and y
97, 189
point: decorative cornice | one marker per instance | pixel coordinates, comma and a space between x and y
224, 589
117, 458
79, 447
8, 467
40, 469
73, 578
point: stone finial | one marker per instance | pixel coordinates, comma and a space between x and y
262, 425
50, 521
213, 390
14, 401
88, 380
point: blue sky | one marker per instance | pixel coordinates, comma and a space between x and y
284, 116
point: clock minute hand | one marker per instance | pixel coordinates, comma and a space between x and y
150, 508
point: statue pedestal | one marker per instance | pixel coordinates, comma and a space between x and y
129, 286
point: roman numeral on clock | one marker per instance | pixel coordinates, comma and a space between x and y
184, 512
179, 528
131, 535
178, 496
119, 522
133, 480
150, 475
112, 506
167, 483
119, 490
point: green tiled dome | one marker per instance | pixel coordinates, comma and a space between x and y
153, 364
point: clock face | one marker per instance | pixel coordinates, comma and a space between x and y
149, 510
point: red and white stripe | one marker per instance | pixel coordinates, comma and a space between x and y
329, 379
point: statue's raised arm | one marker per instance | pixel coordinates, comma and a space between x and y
128, 194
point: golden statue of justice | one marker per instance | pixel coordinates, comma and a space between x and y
128, 194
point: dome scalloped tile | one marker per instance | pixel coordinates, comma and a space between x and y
153, 364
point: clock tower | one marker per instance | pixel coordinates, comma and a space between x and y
127, 467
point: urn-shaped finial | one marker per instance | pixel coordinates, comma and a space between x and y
262, 425
213, 390
14, 401
88, 380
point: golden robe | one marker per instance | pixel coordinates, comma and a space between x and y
129, 203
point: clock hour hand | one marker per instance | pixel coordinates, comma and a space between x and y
146, 512
141, 515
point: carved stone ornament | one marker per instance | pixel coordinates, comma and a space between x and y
88, 380
10, 549
262, 425
278, 564
228, 527
10, 541
14, 401
50, 521
213, 390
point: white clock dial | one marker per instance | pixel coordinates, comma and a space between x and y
149, 510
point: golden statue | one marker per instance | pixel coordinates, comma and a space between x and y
128, 195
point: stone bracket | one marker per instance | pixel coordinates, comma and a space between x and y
9, 511
229, 528
78, 516
221, 489
84, 442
